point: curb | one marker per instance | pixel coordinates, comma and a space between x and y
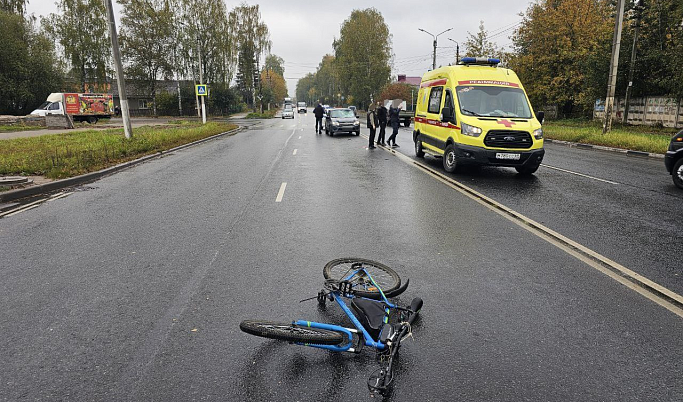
92, 176
604, 148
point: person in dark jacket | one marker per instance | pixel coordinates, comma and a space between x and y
394, 121
319, 111
382, 119
372, 125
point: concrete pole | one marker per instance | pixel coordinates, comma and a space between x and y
632, 67
201, 81
434, 56
120, 82
614, 66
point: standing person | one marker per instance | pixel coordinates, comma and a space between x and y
394, 121
318, 112
372, 125
382, 118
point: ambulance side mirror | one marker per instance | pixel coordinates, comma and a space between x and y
540, 116
447, 114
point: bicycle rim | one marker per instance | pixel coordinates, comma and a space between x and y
386, 278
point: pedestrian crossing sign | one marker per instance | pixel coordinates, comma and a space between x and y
200, 90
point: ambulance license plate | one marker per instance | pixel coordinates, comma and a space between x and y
514, 157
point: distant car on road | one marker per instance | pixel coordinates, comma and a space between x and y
341, 121
673, 160
288, 112
354, 110
301, 107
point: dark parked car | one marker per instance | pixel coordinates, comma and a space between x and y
341, 121
673, 160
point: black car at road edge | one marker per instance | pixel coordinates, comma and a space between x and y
673, 160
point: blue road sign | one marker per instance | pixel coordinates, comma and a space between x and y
200, 90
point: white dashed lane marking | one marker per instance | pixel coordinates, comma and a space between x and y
281, 193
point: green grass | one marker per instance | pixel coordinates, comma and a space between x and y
637, 138
58, 156
20, 127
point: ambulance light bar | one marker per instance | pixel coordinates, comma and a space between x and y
479, 60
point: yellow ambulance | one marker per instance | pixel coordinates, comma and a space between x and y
478, 114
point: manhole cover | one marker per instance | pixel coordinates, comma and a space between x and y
14, 180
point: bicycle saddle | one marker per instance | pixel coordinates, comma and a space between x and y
371, 314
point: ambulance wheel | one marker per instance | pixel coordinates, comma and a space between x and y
450, 164
419, 152
527, 170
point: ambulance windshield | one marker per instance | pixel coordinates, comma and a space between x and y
492, 101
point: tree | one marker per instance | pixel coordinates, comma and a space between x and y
363, 53
81, 30
274, 63
397, 91
252, 39
13, 6
146, 38
659, 65
305, 91
205, 28
273, 87
478, 45
28, 72
562, 51
326, 81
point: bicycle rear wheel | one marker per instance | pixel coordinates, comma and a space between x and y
386, 278
291, 332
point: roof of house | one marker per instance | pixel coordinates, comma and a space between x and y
409, 80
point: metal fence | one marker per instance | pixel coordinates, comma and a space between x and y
651, 110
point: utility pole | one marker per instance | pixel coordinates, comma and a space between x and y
613, 67
457, 50
201, 82
125, 113
638, 7
434, 43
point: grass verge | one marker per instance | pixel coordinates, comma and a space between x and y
636, 138
268, 114
19, 127
59, 156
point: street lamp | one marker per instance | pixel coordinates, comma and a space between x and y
434, 36
457, 50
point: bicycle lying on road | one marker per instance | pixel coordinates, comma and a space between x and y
368, 285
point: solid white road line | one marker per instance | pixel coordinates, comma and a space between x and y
632, 280
294, 153
281, 193
22, 210
58, 196
578, 174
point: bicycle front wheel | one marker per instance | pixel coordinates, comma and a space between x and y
386, 278
291, 332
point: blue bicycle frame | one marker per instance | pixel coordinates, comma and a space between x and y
368, 341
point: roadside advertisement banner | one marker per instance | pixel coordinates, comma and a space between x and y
71, 104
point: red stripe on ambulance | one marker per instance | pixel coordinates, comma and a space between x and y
433, 83
489, 82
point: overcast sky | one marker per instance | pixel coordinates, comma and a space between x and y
302, 32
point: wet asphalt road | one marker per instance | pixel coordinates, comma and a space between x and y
132, 288
622, 206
